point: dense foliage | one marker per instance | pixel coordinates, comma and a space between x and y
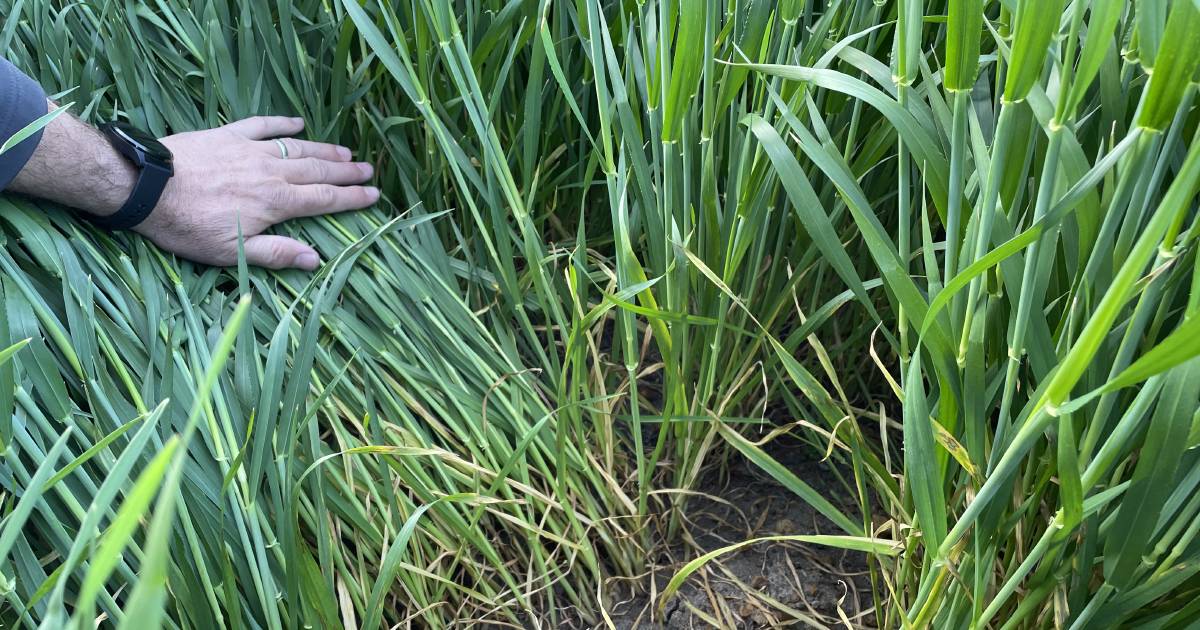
621, 242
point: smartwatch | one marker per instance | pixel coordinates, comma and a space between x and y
155, 168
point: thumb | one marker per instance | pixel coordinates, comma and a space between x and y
280, 252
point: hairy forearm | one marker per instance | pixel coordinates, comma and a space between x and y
76, 166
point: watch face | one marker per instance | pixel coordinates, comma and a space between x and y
147, 143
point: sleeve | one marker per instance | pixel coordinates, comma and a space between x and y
22, 101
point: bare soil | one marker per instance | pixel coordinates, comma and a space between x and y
768, 584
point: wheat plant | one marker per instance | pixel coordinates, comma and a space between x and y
949, 245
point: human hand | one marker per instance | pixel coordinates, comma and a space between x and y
236, 173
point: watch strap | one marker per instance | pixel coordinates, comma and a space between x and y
151, 182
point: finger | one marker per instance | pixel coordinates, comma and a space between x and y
297, 149
280, 252
315, 171
317, 199
263, 127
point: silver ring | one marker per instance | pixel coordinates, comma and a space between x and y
282, 148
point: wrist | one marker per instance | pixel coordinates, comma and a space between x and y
75, 165
118, 178
154, 165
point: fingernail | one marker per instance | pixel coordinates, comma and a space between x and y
298, 121
307, 261
366, 169
373, 193
343, 153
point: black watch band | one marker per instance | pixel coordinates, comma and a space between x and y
155, 168
151, 182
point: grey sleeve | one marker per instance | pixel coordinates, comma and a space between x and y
22, 101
